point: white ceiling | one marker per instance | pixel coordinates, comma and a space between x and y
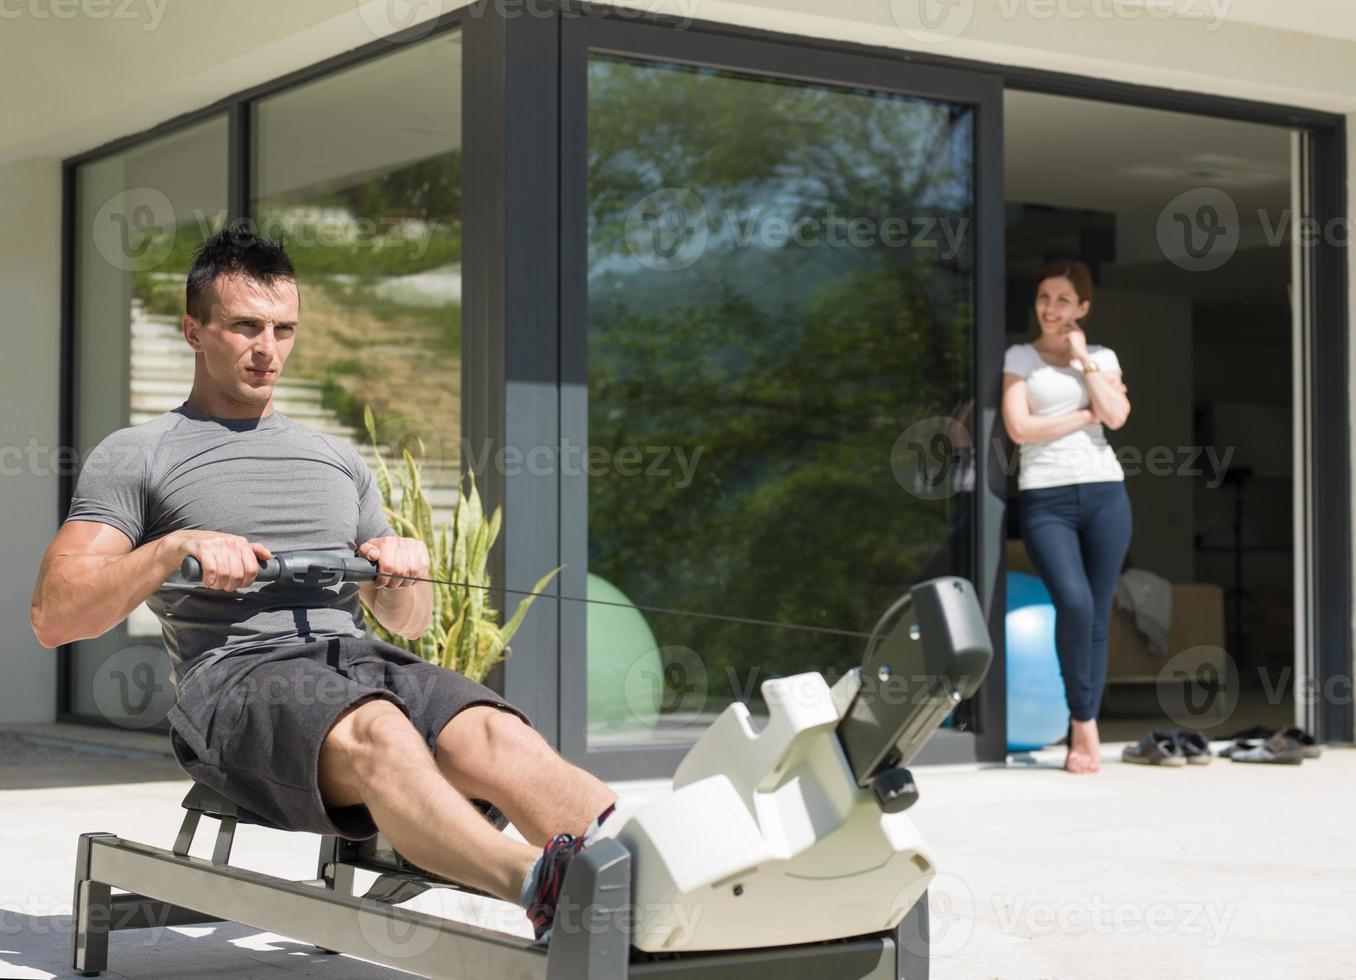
1131, 162
1081, 154
410, 104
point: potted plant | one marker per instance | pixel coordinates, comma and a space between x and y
464, 634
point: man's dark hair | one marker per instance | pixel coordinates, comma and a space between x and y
235, 250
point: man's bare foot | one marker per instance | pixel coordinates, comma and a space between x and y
1085, 750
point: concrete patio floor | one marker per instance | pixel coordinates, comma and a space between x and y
1225, 870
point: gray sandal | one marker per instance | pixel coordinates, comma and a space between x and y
1280, 749
1155, 749
1238, 745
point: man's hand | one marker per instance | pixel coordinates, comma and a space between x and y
396, 556
407, 612
229, 562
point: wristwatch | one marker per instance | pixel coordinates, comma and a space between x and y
1090, 366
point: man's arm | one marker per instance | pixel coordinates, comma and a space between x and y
89, 581
403, 607
91, 577
405, 612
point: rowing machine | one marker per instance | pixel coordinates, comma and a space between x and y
783, 851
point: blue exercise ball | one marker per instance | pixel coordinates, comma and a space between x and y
1038, 713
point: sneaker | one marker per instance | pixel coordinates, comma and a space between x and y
598, 822
550, 876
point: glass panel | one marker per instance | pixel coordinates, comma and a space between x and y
360, 174
139, 216
781, 297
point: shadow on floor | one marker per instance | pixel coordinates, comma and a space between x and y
42, 943
36, 761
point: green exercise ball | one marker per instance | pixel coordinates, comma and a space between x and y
625, 671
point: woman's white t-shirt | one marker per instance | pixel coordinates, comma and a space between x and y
1081, 456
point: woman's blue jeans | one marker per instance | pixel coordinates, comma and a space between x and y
1077, 537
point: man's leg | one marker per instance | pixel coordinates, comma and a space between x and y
490, 754
373, 755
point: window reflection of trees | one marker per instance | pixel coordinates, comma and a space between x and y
793, 370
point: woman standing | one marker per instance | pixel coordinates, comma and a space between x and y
1058, 395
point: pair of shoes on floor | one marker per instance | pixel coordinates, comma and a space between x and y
1286, 748
1177, 748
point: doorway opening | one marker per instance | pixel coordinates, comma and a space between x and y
1185, 222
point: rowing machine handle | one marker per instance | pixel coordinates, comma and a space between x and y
315, 569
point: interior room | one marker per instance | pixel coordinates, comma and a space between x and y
1204, 335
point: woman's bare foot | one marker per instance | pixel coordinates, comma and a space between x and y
1085, 750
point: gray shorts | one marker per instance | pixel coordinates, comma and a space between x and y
250, 725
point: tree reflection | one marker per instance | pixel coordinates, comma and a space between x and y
788, 368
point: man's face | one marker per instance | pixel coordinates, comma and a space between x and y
248, 339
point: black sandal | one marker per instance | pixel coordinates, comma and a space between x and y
1195, 747
1309, 748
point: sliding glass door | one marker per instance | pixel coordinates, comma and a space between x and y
773, 291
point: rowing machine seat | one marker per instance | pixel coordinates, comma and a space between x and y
206, 800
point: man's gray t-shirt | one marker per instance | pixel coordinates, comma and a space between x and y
270, 480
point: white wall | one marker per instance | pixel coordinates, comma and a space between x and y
30, 244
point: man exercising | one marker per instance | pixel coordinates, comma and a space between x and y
284, 704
